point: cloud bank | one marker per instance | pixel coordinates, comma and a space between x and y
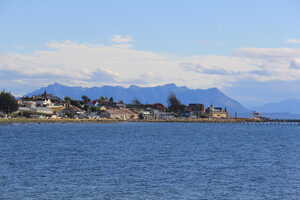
293, 41
74, 63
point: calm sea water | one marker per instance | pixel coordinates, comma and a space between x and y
149, 161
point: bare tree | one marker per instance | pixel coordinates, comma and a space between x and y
174, 104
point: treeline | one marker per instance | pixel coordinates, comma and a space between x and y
8, 103
174, 104
85, 101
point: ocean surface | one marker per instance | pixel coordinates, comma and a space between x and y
139, 161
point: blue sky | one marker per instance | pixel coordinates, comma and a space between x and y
237, 46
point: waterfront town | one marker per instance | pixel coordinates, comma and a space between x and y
48, 106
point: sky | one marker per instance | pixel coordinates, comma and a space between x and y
250, 50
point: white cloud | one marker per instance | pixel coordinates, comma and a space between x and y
274, 60
295, 64
293, 41
266, 53
89, 65
124, 46
122, 39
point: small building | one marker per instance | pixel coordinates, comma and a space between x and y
119, 114
146, 115
194, 111
153, 114
195, 107
103, 108
44, 110
45, 97
258, 116
71, 111
27, 103
44, 103
163, 115
217, 112
2, 115
120, 104
159, 106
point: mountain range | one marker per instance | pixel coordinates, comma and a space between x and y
286, 106
212, 96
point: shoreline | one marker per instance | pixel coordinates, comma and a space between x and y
205, 120
28, 120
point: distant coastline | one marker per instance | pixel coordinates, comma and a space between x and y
46, 108
66, 120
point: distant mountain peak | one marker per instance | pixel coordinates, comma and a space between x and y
56, 84
134, 86
214, 88
285, 106
169, 85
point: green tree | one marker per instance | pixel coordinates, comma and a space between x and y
72, 102
75, 103
8, 103
85, 99
102, 100
94, 109
67, 99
